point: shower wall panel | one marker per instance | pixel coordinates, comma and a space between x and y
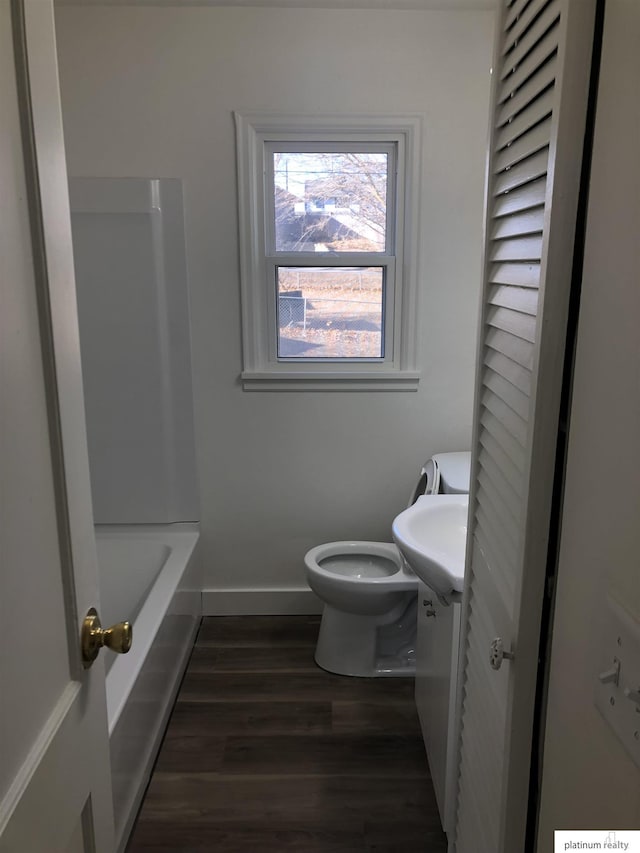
131, 279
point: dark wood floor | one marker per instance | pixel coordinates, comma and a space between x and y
265, 753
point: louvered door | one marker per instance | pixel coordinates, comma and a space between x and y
540, 91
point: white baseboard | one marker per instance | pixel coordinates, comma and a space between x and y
260, 602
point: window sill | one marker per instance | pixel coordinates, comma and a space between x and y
271, 380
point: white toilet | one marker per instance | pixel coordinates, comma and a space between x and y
368, 623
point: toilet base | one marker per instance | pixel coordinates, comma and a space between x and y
369, 646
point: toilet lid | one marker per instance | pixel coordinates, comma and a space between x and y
432, 474
455, 472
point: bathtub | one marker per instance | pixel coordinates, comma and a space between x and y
150, 576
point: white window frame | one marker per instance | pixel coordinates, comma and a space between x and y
258, 135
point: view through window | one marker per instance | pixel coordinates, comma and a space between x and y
328, 205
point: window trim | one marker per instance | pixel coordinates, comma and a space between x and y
255, 131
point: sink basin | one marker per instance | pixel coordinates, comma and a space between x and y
432, 536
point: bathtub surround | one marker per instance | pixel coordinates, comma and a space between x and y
142, 685
131, 281
150, 92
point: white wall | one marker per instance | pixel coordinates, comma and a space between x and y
150, 92
588, 779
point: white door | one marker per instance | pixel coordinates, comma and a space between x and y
589, 777
541, 79
55, 789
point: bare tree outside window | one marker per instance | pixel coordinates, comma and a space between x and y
330, 202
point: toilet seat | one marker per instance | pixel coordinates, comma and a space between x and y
381, 564
367, 578
358, 565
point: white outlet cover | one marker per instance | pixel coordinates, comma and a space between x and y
620, 641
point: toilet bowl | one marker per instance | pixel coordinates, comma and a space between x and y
368, 621
368, 625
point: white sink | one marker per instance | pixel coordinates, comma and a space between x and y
432, 536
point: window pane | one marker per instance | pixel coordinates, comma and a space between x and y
330, 312
330, 202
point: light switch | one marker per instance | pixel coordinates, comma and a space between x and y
617, 691
611, 676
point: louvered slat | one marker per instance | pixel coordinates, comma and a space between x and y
509, 370
500, 578
500, 522
523, 173
488, 537
479, 749
512, 396
514, 11
523, 24
508, 472
517, 249
492, 482
480, 798
519, 224
515, 349
518, 275
536, 112
511, 420
520, 325
532, 61
479, 838
524, 146
534, 86
502, 461
524, 198
498, 549
501, 484
520, 250
542, 23
478, 752
504, 510
520, 299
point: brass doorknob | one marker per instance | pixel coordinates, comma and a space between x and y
93, 637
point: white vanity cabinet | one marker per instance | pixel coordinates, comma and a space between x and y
436, 672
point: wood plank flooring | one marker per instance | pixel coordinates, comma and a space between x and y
267, 753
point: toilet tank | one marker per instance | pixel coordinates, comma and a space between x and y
455, 472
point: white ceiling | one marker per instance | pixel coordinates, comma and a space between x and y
311, 4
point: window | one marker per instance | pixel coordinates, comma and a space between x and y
328, 223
